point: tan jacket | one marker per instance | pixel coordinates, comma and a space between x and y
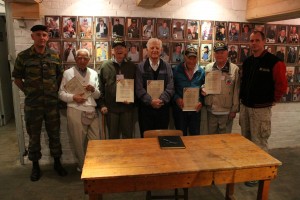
228, 100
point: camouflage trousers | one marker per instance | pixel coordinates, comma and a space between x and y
34, 117
256, 124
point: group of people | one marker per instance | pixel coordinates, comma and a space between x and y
251, 90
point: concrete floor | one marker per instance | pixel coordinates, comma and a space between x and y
15, 183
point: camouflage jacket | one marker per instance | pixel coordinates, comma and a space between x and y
41, 74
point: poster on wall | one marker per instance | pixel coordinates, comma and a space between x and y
69, 51
118, 24
206, 30
148, 28
53, 25
247, 29
294, 34
101, 27
85, 27
271, 30
177, 52
55, 46
282, 34
69, 27
245, 52
102, 51
233, 31
163, 28
233, 53
134, 49
206, 52
178, 27
133, 28
192, 29
220, 31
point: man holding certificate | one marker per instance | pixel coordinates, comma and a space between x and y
221, 91
188, 79
117, 92
79, 89
154, 89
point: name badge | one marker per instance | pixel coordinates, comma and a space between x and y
120, 77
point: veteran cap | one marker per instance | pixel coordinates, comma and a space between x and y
39, 28
118, 41
191, 51
133, 21
219, 46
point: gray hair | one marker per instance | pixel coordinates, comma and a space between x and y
152, 40
84, 51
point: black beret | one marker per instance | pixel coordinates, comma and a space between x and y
39, 28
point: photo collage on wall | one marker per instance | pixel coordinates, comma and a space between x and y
96, 33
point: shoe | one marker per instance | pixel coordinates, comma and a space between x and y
251, 183
35, 174
60, 170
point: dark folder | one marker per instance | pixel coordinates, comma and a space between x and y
167, 142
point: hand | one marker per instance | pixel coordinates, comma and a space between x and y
179, 103
104, 110
203, 92
78, 98
231, 115
156, 103
90, 88
199, 106
126, 102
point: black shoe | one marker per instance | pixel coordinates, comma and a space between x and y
251, 183
60, 170
35, 174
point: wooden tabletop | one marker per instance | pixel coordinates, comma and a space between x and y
107, 159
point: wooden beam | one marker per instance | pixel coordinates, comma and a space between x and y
272, 10
151, 3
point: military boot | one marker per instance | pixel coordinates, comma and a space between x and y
59, 168
36, 172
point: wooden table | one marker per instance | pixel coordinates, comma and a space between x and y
139, 165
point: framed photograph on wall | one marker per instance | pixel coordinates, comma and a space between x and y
69, 51
233, 31
55, 46
101, 27
118, 24
296, 93
220, 31
144, 50
148, 28
69, 27
53, 24
247, 29
281, 52
244, 52
101, 51
178, 29
271, 49
259, 27
134, 51
165, 53
133, 28
288, 96
206, 52
85, 25
233, 53
177, 52
163, 28
271, 30
294, 34
89, 46
282, 34
206, 30
192, 29
292, 54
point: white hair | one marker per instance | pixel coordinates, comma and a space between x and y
152, 40
84, 51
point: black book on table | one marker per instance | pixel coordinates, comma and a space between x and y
167, 142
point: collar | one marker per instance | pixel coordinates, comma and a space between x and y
154, 67
223, 69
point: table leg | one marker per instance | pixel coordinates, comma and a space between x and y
95, 196
229, 191
263, 189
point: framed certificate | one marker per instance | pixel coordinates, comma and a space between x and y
155, 88
213, 82
190, 99
125, 90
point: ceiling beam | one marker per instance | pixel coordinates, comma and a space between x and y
151, 3
272, 10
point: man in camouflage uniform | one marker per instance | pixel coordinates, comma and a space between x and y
38, 73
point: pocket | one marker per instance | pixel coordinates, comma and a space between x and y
265, 129
88, 117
